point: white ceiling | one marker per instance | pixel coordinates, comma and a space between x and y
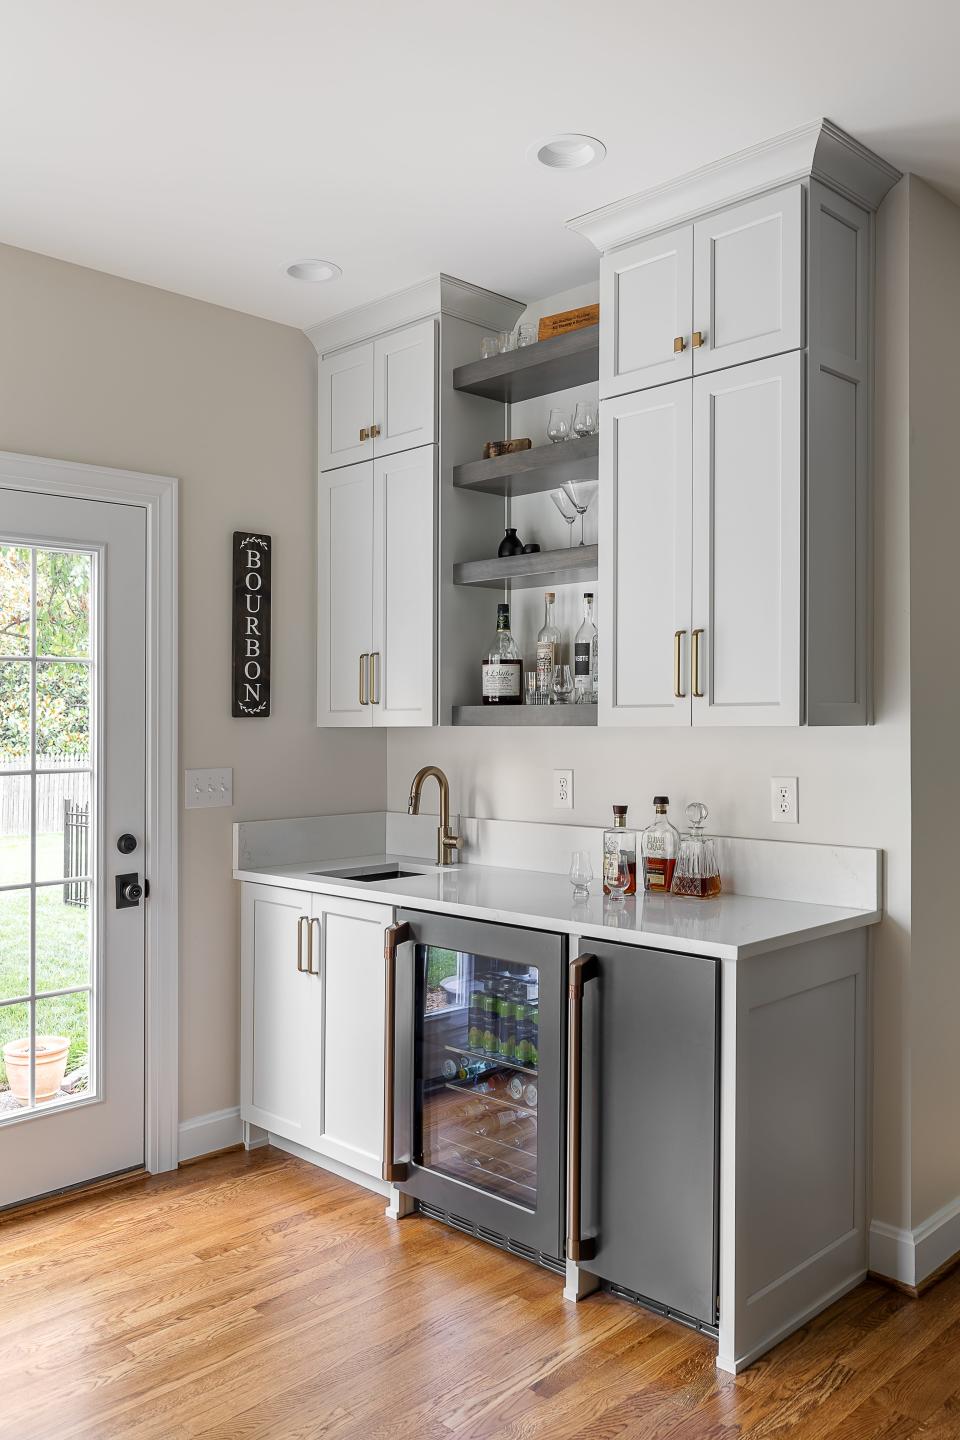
202, 145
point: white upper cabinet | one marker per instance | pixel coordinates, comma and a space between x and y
405, 389
748, 281
345, 407
345, 595
379, 397
646, 299
645, 556
746, 656
404, 588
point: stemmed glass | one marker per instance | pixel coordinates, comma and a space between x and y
616, 875
581, 874
563, 504
580, 493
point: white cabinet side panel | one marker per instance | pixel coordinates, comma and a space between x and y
353, 1039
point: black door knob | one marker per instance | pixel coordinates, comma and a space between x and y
127, 844
133, 892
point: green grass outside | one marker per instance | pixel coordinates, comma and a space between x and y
440, 966
63, 953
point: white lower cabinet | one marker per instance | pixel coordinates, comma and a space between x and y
312, 1021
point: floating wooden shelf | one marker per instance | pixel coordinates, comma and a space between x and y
529, 472
557, 567
572, 359
525, 715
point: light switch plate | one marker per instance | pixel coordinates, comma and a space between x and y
205, 789
563, 789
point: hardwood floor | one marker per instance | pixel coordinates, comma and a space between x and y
254, 1297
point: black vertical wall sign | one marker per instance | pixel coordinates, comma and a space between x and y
251, 624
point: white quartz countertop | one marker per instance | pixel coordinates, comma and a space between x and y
730, 927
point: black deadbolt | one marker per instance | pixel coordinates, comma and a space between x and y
127, 844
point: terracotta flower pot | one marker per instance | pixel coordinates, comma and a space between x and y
52, 1053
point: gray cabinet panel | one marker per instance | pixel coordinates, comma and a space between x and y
649, 1186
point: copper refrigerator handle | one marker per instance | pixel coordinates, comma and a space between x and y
395, 935
584, 968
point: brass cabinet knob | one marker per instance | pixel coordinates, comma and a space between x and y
679, 345
374, 432
364, 434
697, 339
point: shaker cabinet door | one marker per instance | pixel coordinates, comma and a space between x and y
748, 280
345, 407
403, 674
645, 557
646, 299
345, 596
281, 1014
747, 539
405, 389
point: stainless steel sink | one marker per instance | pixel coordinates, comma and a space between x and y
369, 873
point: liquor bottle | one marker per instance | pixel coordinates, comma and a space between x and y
549, 647
585, 657
502, 666
659, 844
616, 840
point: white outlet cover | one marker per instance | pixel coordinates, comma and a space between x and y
563, 789
784, 809
207, 789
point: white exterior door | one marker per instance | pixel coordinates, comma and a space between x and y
747, 536
645, 556
345, 392
646, 307
748, 280
405, 388
345, 596
281, 1033
72, 782
352, 978
404, 672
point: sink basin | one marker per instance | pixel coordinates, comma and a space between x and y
370, 873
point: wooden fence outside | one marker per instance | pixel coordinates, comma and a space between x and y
53, 791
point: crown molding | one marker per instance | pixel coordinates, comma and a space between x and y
821, 150
438, 295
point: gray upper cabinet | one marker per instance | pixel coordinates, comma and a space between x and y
646, 305
378, 398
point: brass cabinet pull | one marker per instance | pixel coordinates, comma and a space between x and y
584, 968
679, 345
395, 935
695, 665
303, 920
374, 432
375, 677
677, 674
365, 433
315, 920
697, 339
361, 693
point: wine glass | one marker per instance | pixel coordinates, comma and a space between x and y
580, 493
581, 873
616, 875
562, 684
563, 505
558, 426
585, 418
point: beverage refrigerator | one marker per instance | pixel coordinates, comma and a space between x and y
475, 1057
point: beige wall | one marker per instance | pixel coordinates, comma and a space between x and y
101, 370
854, 784
934, 532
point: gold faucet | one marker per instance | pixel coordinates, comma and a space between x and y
447, 844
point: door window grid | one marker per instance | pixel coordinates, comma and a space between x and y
22, 1071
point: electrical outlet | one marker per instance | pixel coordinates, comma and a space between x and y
563, 789
783, 799
204, 789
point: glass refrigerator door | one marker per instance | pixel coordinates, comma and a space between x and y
477, 1058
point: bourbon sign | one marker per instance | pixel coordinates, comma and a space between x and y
251, 624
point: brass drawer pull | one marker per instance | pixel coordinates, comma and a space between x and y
301, 921
678, 690
361, 692
695, 665
375, 677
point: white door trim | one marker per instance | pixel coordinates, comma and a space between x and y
158, 495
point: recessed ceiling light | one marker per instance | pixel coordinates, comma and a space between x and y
568, 152
314, 270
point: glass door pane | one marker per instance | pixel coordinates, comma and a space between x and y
477, 1071
48, 845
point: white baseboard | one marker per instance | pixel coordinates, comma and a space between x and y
909, 1256
206, 1133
